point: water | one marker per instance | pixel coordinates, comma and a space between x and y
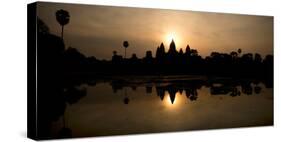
165, 105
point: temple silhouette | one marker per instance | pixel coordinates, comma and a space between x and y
173, 62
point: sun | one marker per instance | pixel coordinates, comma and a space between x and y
171, 36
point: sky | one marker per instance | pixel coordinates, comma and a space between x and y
99, 30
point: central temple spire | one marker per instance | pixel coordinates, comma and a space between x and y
172, 48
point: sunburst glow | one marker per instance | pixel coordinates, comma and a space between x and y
176, 102
172, 36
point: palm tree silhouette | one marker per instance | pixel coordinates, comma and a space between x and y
125, 44
62, 17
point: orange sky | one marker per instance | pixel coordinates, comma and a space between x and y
99, 30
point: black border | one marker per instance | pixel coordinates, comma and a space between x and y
31, 71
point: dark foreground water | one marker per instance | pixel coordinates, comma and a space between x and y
132, 106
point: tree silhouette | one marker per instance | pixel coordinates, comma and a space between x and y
62, 17
42, 27
233, 54
258, 58
239, 51
125, 44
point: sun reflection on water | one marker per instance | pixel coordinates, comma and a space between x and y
171, 101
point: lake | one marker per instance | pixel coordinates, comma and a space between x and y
148, 105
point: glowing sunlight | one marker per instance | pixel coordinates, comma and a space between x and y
172, 36
172, 102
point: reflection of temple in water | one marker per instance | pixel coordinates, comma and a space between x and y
172, 91
190, 88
